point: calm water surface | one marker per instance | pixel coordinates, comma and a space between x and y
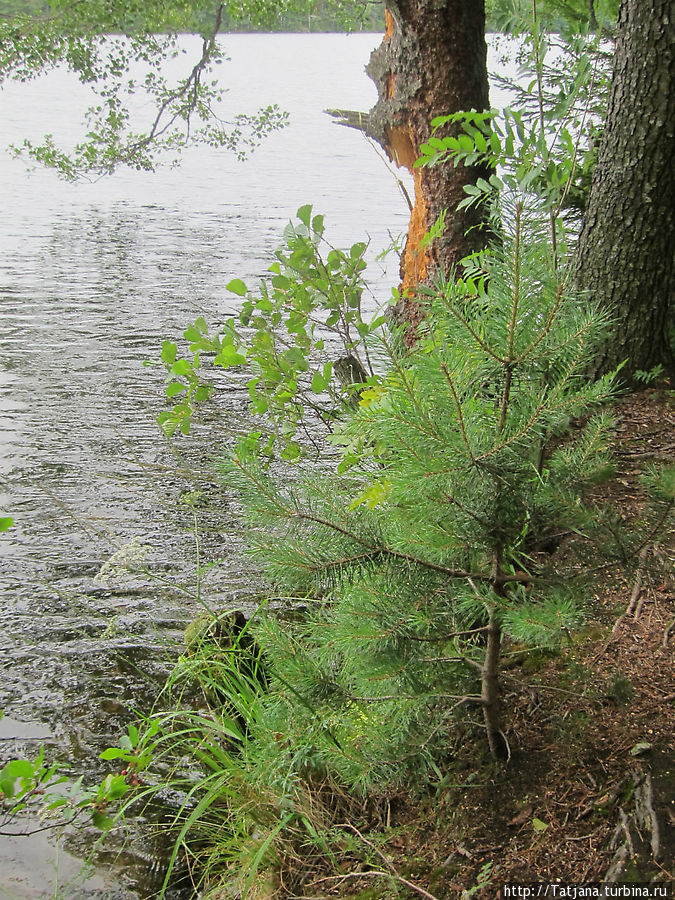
92, 278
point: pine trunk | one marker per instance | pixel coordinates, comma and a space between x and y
432, 61
490, 689
626, 250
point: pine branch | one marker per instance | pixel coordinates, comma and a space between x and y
546, 328
375, 550
460, 414
474, 334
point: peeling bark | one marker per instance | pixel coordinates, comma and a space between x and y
432, 61
626, 251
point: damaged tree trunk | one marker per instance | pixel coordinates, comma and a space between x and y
432, 61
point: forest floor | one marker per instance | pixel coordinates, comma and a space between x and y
589, 791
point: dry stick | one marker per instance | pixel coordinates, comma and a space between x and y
374, 873
638, 608
387, 862
635, 593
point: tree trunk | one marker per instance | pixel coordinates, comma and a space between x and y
626, 250
432, 61
490, 689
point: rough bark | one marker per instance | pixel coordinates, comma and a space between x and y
626, 251
490, 689
432, 61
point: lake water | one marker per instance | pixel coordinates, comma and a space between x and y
92, 278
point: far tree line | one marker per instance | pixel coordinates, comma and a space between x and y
325, 15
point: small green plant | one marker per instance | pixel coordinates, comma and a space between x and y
287, 339
483, 880
649, 377
417, 552
42, 788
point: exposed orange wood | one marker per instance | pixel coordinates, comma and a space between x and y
400, 146
415, 262
388, 24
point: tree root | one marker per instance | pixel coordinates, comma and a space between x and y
629, 840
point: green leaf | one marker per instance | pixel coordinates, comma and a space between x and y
237, 286
281, 282
466, 145
182, 367
291, 451
305, 214
173, 388
19, 768
101, 821
169, 350
538, 825
113, 753
6, 787
229, 357
319, 383
6, 523
480, 141
114, 787
641, 748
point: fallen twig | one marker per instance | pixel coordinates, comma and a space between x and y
392, 869
635, 593
375, 873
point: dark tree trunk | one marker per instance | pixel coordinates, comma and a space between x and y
626, 250
432, 61
490, 689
